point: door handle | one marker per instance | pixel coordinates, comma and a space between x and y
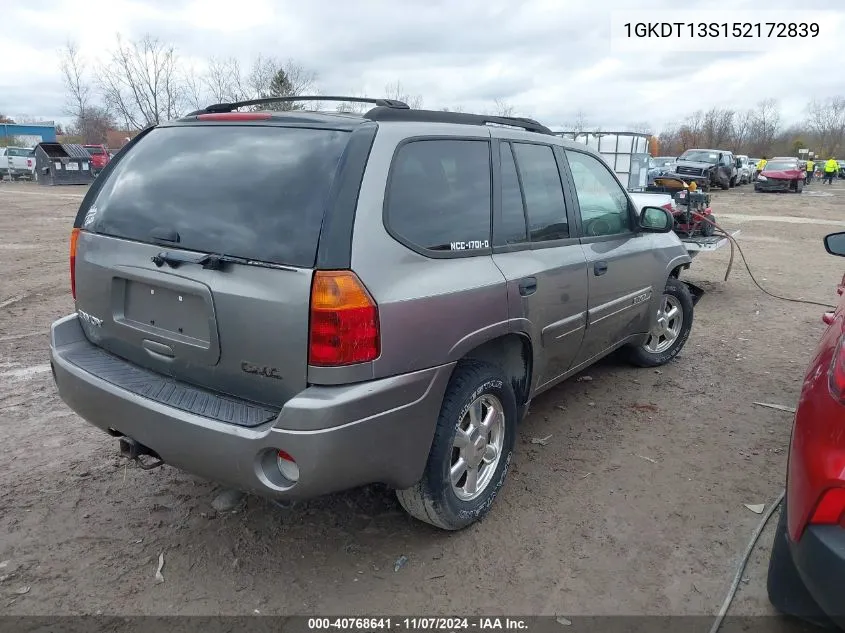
599, 268
528, 286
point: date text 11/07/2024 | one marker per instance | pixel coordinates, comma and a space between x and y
417, 624
705, 30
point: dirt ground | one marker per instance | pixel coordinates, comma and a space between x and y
634, 506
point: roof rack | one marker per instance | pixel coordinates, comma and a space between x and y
381, 113
228, 107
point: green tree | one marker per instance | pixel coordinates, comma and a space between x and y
281, 86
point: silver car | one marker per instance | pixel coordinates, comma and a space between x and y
371, 298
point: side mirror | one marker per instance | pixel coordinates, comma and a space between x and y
659, 220
835, 244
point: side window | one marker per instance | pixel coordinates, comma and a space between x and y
603, 202
544, 203
439, 194
511, 228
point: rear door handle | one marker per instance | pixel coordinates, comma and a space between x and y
528, 286
599, 268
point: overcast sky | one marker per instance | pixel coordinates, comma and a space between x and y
548, 58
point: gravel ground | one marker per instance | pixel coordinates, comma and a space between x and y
634, 506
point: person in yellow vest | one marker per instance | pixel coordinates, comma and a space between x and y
830, 169
761, 165
811, 167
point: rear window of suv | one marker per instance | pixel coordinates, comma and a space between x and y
257, 192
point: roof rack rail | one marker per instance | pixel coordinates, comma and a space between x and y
228, 107
381, 113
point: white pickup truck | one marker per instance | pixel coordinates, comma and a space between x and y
17, 162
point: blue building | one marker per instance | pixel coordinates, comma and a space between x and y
45, 131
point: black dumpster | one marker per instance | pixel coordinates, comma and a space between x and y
62, 164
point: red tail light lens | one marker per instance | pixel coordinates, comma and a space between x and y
74, 237
29, 162
344, 325
836, 375
830, 509
234, 116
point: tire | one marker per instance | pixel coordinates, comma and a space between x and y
799, 187
786, 590
434, 498
725, 185
707, 229
653, 353
732, 183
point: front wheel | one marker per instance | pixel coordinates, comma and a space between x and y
670, 330
471, 451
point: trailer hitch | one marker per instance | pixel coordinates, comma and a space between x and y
133, 450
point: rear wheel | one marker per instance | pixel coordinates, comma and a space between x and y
471, 451
671, 329
732, 182
708, 229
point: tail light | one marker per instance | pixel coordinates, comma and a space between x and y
74, 237
29, 162
836, 374
344, 325
831, 508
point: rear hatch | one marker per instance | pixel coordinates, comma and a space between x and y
195, 256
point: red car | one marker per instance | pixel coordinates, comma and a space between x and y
99, 157
781, 174
807, 566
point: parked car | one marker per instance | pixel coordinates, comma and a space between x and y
807, 563
17, 162
783, 174
658, 166
709, 167
100, 157
337, 311
841, 164
744, 169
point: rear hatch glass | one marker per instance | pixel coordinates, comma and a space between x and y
251, 193
257, 192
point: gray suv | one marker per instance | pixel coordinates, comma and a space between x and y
296, 303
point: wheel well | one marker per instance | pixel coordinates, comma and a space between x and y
512, 353
676, 272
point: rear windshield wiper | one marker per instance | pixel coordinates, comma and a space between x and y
210, 261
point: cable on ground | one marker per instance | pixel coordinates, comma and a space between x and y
747, 555
735, 244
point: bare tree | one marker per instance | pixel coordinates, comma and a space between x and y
826, 119
141, 82
503, 108
765, 124
396, 91
717, 127
94, 125
223, 81
195, 92
580, 122
742, 129
77, 88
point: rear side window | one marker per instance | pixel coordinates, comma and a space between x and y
438, 196
511, 228
543, 192
254, 192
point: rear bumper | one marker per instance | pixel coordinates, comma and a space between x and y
819, 558
379, 431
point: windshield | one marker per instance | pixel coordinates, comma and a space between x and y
94, 150
781, 165
257, 192
700, 156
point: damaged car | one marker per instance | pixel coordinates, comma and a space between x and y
708, 168
781, 174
